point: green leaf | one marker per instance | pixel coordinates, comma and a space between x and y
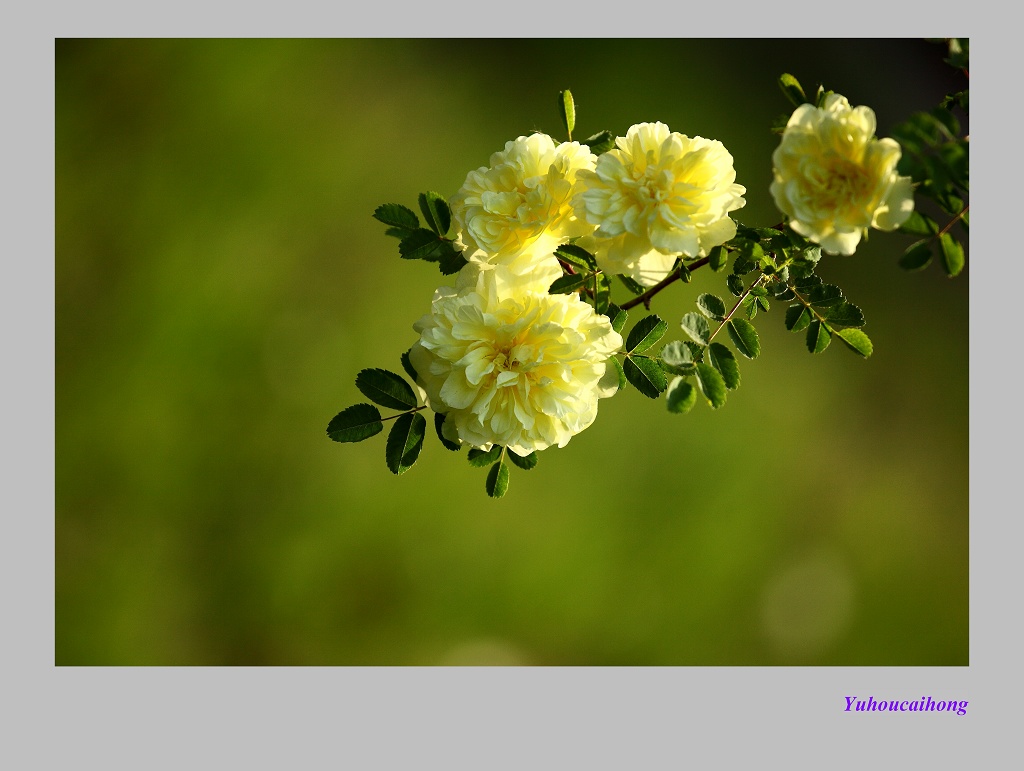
576, 256
696, 326
648, 331
601, 142
621, 373
919, 224
917, 257
711, 306
497, 480
526, 462
407, 366
735, 284
845, 314
792, 89
569, 283
450, 260
681, 396
677, 358
567, 109
818, 337
711, 384
386, 389
723, 360
797, 317
405, 442
479, 458
618, 319
857, 341
398, 216
717, 258
631, 285
825, 295
438, 426
952, 255
602, 289
355, 423
645, 375
436, 212
744, 337
684, 273
420, 244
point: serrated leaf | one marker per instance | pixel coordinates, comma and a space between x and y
750, 306
631, 285
792, 89
497, 480
684, 273
952, 255
857, 341
845, 314
681, 396
677, 358
818, 337
436, 212
576, 256
479, 458
645, 375
725, 362
711, 306
396, 215
919, 224
711, 384
917, 257
744, 337
420, 244
567, 111
386, 389
571, 282
405, 442
526, 462
621, 374
618, 319
602, 292
648, 331
718, 257
407, 366
439, 427
450, 260
735, 284
696, 326
797, 317
825, 295
601, 142
355, 423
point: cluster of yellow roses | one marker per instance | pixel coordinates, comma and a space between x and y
509, 364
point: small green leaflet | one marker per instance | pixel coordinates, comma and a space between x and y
436, 212
567, 109
711, 385
648, 331
421, 244
952, 255
497, 480
857, 341
355, 423
405, 442
919, 224
525, 462
646, 376
917, 257
386, 389
677, 358
696, 326
711, 306
792, 89
439, 428
397, 216
619, 372
724, 361
601, 142
480, 458
681, 396
569, 283
844, 314
744, 337
576, 256
407, 366
818, 337
618, 317
717, 258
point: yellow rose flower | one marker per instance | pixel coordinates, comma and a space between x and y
522, 202
510, 364
834, 179
658, 195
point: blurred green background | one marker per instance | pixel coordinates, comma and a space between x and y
220, 282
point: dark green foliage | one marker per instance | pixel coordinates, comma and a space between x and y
386, 389
438, 426
569, 283
717, 258
497, 480
792, 89
797, 317
601, 142
576, 256
480, 458
355, 423
648, 331
684, 274
735, 284
631, 285
711, 384
618, 317
818, 336
450, 261
436, 212
744, 337
919, 225
423, 244
407, 366
646, 376
526, 462
725, 362
917, 257
405, 442
844, 314
398, 216
681, 396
